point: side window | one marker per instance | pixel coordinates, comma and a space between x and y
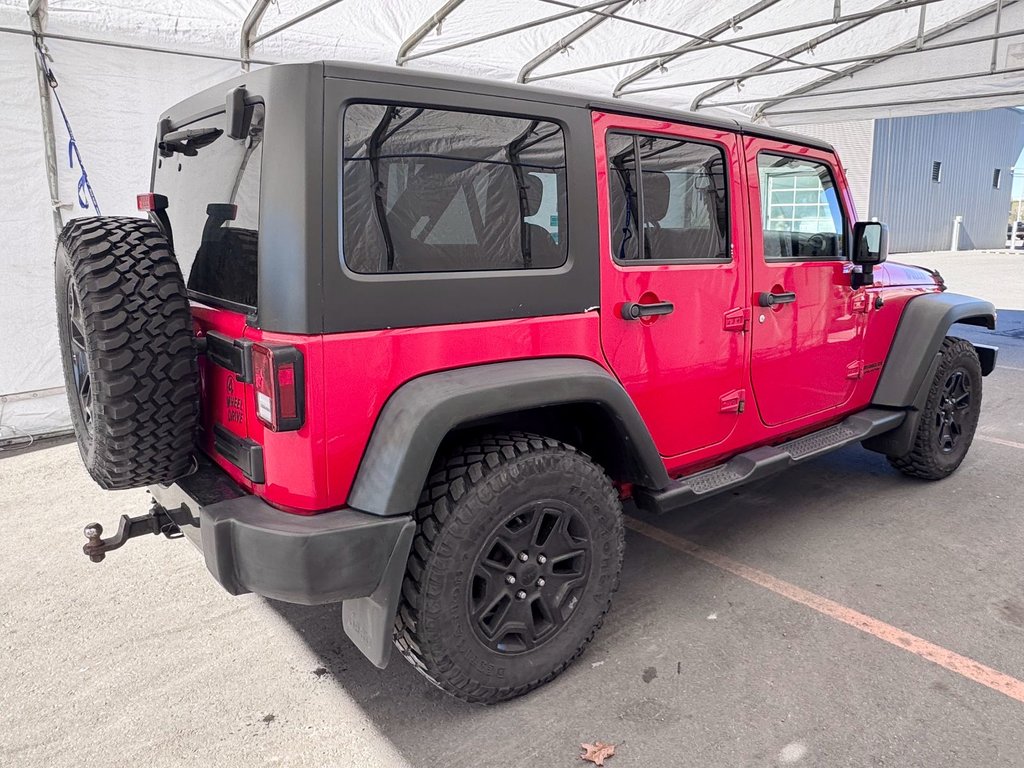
680, 199
800, 211
426, 190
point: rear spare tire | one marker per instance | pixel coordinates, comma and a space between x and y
126, 344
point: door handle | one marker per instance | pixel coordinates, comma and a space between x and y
766, 299
631, 310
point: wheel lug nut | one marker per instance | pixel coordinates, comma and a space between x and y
541, 559
523, 557
520, 595
541, 582
510, 579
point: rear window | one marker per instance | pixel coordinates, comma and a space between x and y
427, 190
212, 185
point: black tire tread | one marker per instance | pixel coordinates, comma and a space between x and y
449, 481
139, 341
922, 461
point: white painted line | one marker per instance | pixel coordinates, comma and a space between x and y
1008, 368
999, 441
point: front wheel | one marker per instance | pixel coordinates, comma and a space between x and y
950, 416
514, 563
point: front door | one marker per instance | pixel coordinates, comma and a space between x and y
673, 275
808, 323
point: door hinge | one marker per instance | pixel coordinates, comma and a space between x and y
733, 402
737, 319
860, 302
855, 370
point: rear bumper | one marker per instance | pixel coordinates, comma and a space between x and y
250, 546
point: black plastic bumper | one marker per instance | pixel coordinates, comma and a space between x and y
343, 555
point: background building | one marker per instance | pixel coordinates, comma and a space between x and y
918, 174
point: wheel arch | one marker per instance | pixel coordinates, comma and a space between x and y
925, 322
914, 357
565, 398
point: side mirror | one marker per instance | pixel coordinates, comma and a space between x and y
870, 247
870, 243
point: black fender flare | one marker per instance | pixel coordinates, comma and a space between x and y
914, 357
421, 412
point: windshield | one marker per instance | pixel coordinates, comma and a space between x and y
212, 185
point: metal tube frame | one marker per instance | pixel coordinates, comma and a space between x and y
131, 46
878, 87
292, 22
729, 79
650, 57
424, 29
707, 37
899, 103
408, 56
565, 42
249, 28
46, 113
916, 45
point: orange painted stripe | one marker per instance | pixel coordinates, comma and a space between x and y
954, 662
999, 441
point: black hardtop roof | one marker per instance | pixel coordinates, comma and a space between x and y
424, 79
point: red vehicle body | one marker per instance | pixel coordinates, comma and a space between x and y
804, 366
406, 342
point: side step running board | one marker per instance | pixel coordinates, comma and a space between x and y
761, 462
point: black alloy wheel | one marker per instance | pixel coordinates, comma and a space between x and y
954, 408
78, 359
529, 575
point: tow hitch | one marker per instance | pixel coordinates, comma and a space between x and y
156, 522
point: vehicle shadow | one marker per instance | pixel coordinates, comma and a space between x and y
413, 715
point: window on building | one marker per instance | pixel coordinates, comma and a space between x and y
936, 171
427, 190
800, 212
997, 178
680, 198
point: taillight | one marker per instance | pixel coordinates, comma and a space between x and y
151, 202
279, 383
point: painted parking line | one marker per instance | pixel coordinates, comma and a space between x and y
954, 662
1008, 368
999, 441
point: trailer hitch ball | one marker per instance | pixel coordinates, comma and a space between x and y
94, 547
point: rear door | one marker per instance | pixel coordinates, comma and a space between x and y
673, 275
808, 327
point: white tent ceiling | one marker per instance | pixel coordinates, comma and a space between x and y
120, 62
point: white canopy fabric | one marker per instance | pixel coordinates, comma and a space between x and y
120, 62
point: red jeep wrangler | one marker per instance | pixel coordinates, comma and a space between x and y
407, 342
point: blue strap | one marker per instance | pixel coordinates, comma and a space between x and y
73, 154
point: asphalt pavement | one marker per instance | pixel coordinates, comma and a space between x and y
727, 644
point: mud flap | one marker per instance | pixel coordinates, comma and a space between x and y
368, 621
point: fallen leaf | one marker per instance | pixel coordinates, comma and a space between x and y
597, 752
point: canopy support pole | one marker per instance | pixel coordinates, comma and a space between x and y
35, 13
995, 41
249, 28
405, 54
425, 29
718, 29
733, 42
912, 46
569, 39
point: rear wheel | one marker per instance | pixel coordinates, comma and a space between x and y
130, 367
950, 416
513, 566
